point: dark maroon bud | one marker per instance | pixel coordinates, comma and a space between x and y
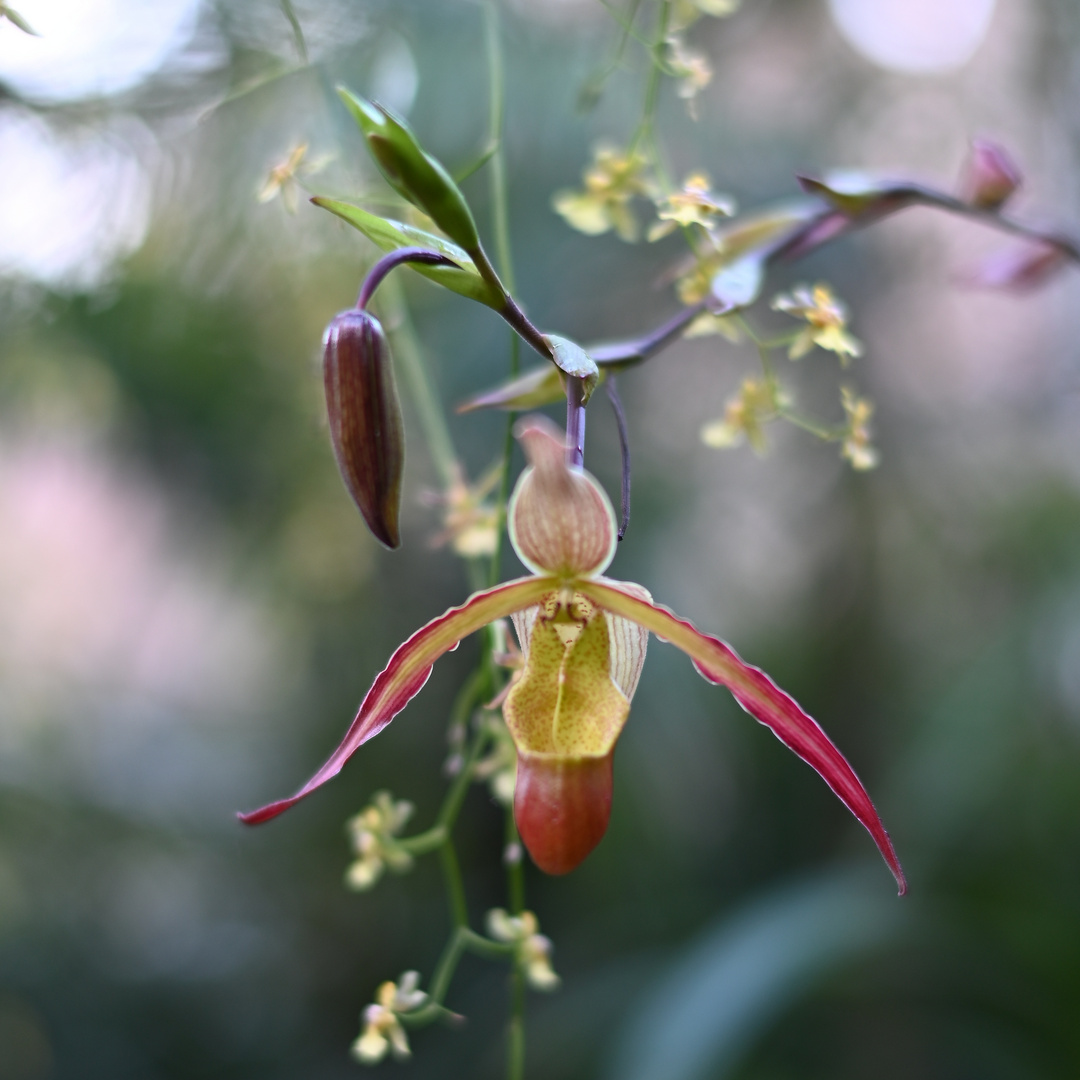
990, 175
365, 418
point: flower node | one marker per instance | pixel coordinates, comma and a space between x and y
826, 319
372, 833
611, 182
532, 950
695, 203
745, 415
382, 1031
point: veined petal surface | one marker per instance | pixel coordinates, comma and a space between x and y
560, 519
408, 670
627, 641
760, 697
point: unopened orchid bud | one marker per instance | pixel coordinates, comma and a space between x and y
990, 175
365, 418
413, 174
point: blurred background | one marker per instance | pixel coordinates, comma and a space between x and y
190, 608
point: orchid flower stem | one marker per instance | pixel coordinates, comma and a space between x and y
620, 354
515, 865
644, 130
500, 212
496, 111
297, 29
515, 1056
462, 940
624, 448
396, 258
409, 357
575, 421
828, 434
455, 888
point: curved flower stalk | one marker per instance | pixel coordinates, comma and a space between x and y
583, 637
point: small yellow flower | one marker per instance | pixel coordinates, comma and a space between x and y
826, 318
611, 182
691, 68
531, 949
694, 204
382, 1028
283, 178
745, 414
372, 833
470, 522
707, 323
857, 448
686, 12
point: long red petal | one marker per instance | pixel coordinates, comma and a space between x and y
760, 697
408, 670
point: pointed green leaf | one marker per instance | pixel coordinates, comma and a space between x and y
390, 235
537, 387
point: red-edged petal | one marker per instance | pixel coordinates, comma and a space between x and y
761, 698
408, 670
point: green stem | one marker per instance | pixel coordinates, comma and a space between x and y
455, 888
297, 29
652, 84
829, 434
410, 359
515, 867
515, 1056
456, 795
496, 118
444, 971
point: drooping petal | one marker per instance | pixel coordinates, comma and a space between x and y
760, 697
408, 670
561, 521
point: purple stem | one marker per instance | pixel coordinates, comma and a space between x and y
575, 421
624, 448
396, 258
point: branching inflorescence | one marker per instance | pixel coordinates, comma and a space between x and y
538, 722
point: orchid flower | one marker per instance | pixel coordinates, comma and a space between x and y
583, 637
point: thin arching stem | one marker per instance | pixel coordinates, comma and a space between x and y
396, 258
575, 421
624, 449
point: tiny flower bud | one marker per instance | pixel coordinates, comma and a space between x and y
365, 418
990, 175
412, 173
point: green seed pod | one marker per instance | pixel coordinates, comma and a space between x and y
413, 174
365, 418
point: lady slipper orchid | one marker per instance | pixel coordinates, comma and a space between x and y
583, 637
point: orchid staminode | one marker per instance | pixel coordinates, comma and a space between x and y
583, 637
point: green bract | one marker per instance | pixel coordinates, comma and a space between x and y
572, 359
390, 235
412, 173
